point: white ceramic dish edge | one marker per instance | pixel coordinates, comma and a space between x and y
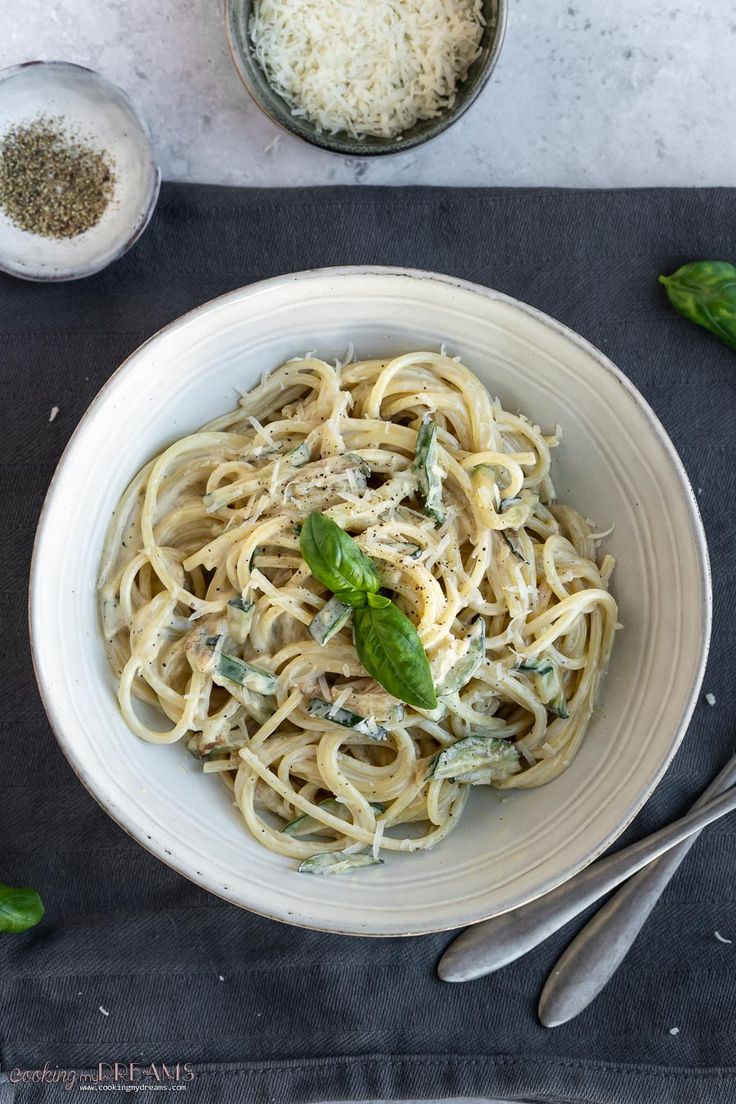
157, 847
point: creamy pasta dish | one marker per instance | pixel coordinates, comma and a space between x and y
356, 598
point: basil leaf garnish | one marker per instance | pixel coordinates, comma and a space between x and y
335, 559
387, 643
705, 292
20, 909
389, 648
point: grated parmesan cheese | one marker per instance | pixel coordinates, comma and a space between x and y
431, 558
348, 497
526, 753
366, 68
339, 701
602, 535
263, 432
274, 479
378, 837
348, 359
352, 480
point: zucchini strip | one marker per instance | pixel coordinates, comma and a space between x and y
330, 619
547, 683
239, 616
429, 473
511, 537
364, 726
203, 650
335, 862
252, 678
462, 672
300, 455
305, 824
477, 760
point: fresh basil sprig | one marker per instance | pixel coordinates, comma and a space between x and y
386, 641
20, 909
336, 560
389, 648
705, 292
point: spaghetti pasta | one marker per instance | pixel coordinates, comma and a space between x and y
211, 615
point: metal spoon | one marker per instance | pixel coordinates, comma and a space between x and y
598, 950
495, 943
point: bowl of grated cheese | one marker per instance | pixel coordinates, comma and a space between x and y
365, 79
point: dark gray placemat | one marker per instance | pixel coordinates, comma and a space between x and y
265, 1012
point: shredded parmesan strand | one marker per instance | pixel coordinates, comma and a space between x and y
378, 837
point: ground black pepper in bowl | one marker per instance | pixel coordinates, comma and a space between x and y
52, 183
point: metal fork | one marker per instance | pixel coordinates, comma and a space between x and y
494, 943
598, 950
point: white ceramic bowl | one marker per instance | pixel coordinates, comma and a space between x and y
616, 464
100, 112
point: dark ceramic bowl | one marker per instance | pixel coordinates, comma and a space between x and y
237, 17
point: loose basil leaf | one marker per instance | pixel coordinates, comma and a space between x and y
705, 292
335, 559
389, 648
20, 909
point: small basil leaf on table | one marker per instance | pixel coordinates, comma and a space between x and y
20, 909
389, 648
336, 561
705, 292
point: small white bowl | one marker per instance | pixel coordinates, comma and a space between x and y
100, 112
616, 464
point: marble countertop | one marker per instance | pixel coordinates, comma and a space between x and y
584, 95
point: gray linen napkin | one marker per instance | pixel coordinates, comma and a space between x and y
132, 962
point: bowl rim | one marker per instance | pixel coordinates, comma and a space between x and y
331, 143
158, 848
146, 211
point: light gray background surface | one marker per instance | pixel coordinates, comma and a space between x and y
587, 93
